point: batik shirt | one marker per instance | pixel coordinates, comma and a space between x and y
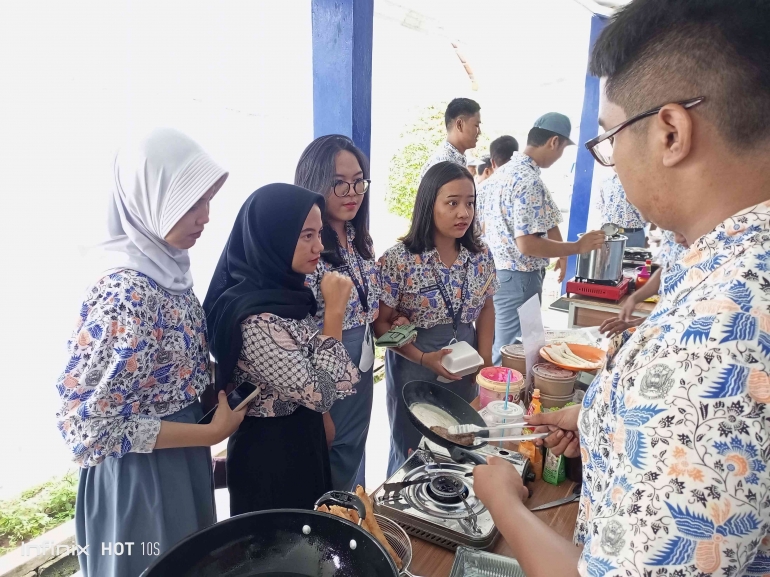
444, 153
409, 284
293, 365
670, 250
615, 208
366, 272
138, 353
483, 193
518, 205
674, 431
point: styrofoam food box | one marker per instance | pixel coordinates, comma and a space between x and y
463, 360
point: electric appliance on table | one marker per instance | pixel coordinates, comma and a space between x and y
599, 273
432, 498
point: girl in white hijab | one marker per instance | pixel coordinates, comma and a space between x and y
138, 362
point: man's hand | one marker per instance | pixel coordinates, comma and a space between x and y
617, 325
563, 426
498, 484
561, 267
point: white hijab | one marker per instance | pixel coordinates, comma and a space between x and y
156, 181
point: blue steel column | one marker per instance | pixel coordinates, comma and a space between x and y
342, 69
584, 166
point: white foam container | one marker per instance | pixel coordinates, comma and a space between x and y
463, 360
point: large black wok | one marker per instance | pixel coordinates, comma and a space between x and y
459, 409
280, 543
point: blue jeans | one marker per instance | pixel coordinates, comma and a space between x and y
516, 288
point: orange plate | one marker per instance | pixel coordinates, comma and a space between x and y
591, 354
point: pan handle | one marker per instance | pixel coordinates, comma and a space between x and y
465, 456
345, 500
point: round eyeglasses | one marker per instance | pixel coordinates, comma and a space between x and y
359, 186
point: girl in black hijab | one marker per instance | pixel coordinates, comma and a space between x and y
261, 330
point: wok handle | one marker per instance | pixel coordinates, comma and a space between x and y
345, 500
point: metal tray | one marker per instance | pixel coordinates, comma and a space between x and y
473, 563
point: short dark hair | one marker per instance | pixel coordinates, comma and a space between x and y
419, 239
486, 162
501, 149
460, 107
539, 136
315, 171
655, 52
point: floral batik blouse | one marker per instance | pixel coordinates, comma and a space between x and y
366, 273
674, 432
409, 284
138, 353
293, 365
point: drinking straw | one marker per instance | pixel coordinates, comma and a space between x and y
507, 389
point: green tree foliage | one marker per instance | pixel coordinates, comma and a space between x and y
418, 142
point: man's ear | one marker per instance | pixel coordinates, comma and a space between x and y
672, 133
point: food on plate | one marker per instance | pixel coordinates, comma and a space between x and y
560, 353
369, 524
466, 439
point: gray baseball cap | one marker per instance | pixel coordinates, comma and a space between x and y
555, 122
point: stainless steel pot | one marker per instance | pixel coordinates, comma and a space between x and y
603, 264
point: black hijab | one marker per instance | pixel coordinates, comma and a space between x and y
254, 273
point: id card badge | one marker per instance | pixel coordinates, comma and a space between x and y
367, 351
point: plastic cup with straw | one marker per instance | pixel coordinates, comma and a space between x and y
505, 403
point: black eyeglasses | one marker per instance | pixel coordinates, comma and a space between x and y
359, 186
601, 146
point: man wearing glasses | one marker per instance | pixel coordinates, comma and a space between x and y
673, 433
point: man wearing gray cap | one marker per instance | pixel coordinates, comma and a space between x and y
521, 225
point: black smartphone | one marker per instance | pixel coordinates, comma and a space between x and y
241, 395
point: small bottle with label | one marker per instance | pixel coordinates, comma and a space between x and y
528, 448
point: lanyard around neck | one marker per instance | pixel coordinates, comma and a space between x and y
446, 296
363, 291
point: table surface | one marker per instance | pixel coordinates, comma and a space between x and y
430, 560
645, 308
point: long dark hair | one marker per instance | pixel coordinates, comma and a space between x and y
315, 171
419, 239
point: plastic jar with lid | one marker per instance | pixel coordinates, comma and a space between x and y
554, 381
492, 383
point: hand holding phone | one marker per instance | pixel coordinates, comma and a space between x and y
225, 420
237, 400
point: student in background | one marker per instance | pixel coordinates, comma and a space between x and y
521, 226
441, 277
334, 167
463, 127
484, 169
139, 359
500, 152
263, 330
615, 208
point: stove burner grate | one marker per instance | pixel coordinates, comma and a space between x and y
447, 489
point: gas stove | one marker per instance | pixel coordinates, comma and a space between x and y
610, 290
432, 498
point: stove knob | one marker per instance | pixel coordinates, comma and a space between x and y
530, 477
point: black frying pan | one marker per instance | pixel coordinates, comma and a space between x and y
286, 542
444, 399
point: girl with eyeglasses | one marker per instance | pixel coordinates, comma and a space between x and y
334, 167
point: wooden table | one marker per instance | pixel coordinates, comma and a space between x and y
429, 560
591, 312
